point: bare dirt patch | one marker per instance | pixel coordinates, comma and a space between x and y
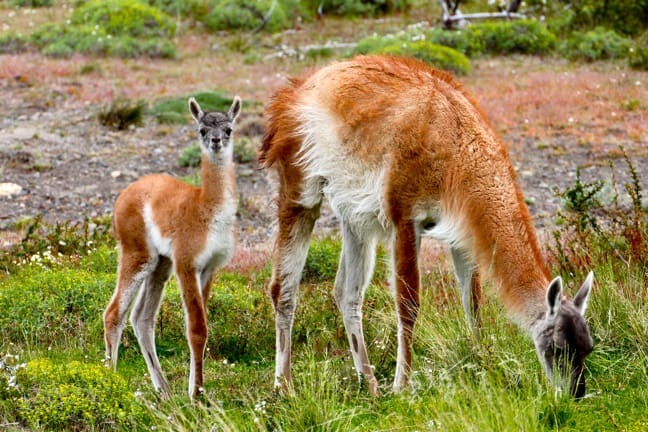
555, 116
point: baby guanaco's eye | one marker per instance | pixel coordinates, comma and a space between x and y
228, 131
203, 132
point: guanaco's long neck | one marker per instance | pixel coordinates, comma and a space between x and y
218, 184
505, 242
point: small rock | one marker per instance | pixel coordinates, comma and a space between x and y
9, 189
115, 174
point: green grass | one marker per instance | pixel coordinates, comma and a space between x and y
52, 319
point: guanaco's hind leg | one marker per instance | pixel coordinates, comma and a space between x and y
134, 268
353, 276
295, 228
405, 250
144, 317
196, 323
471, 290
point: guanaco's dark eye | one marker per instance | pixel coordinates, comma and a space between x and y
228, 131
203, 132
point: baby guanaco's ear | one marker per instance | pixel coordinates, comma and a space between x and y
235, 109
196, 112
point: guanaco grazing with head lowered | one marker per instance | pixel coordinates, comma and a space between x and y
402, 151
163, 225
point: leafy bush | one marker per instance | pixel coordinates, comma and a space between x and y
251, 15
63, 40
122, 28
597, 44
124, 17
506, 37
75, 396
122, 113
460, 40
195, 9
627, 17
638, 54
523, 37
358, 7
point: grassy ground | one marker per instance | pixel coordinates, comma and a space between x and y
52, 319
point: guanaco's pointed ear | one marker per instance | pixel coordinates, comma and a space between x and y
554, 298
196, 112
581, 297
235, 109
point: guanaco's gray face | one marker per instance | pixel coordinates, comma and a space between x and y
563, 340
215, 128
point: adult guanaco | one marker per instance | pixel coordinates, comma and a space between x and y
401, 151
162, 225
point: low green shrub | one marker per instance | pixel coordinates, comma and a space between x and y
506, 37
121, 28
61, 40
124, 17
122, 114
627, 17
175, 110
638, 53
437, 55
194, 9
75, 396
357, 7
597, 44
519, 36
270, 15
460, 40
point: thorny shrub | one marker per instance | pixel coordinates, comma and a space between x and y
590, 228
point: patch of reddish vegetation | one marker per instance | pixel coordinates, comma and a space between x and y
589, 102
248, 259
